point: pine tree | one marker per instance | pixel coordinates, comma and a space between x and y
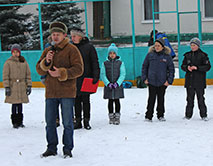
68, 13
14, 25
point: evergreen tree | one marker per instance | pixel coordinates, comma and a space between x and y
68, 13
14, 25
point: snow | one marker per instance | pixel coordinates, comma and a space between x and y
134, 142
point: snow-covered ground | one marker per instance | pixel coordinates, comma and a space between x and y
176, 142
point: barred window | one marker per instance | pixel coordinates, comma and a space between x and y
148, 9
208, 8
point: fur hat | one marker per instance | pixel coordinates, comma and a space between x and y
196, 41
113, 48
58, 27
16, 47
161, 41
77, 31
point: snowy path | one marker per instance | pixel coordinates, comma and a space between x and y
176, 142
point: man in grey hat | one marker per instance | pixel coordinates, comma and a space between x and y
61, 65
195, 64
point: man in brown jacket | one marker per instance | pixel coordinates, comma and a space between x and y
62, 64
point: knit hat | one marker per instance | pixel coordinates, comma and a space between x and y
77, 31
196, 41
161, 41
58, 27
16, 47
113, 48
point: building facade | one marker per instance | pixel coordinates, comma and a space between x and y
113, 18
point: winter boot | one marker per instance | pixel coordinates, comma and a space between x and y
77, 123
14, 120
111, 118
20, 120
117, 119
67, 153
48, 153
86, 124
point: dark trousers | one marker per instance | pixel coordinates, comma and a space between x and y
190, 102
51, 107
17, 115
82, 102
154, 92
17, 108
117, 105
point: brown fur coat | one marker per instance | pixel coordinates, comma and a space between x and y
69, 61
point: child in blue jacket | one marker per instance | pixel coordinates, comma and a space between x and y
113, 74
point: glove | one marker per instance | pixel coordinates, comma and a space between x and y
28, 90
95, 80
7, 91
115, 85
110, 85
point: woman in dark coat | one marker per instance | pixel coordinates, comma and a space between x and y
91, 70
158, 74
195, 64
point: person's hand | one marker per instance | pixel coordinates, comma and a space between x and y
194, 67
115, 85
28, 90
166, 83
146, 82
190, 68
7, 91
110, 85
49, 56
95, 80
55, 73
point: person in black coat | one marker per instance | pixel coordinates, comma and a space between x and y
91, 70
158, 74
195, 64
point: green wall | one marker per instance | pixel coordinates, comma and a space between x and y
133, 64
31, 56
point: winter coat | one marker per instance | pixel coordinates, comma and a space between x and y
16, 76
158, 67
196, 78
113, 70
69, 61
91, 65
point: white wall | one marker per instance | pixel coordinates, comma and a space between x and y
121, 18
89, 17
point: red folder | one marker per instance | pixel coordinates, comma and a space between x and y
88, 86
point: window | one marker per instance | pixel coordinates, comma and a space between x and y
208, 5
147, 5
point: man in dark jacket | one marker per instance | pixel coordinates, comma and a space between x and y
157, 73
91, 70
195, 64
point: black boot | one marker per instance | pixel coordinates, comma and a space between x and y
14, 120
20, 120
48, 153
77, 123
86, 124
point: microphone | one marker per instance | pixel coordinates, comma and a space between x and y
53, 46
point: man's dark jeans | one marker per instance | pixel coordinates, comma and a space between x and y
67, 120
